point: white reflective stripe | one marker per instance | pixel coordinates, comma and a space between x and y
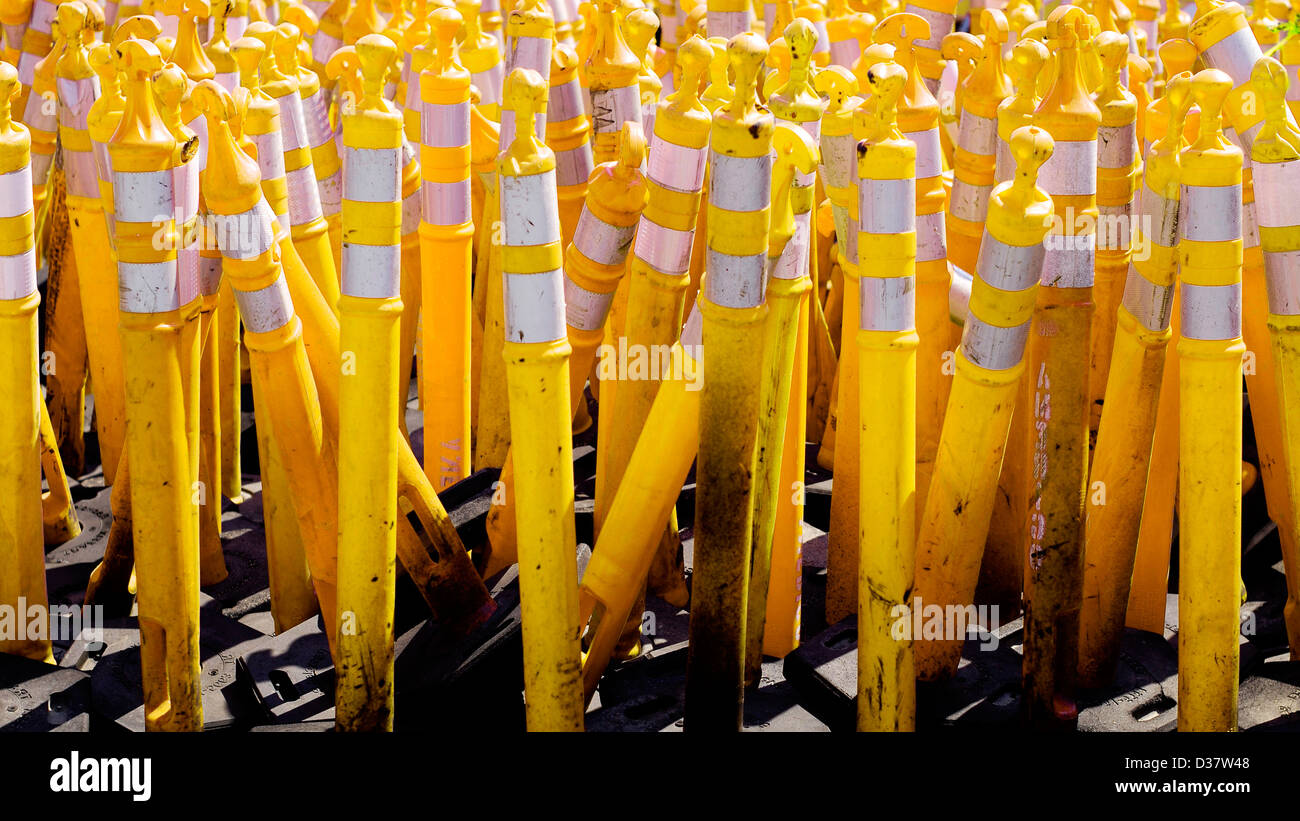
75, 99
372, 174
529, 209
565, 102
991, 347
187, 269
845, 52
266, 309
931, 237
823, 44
1283, 276
530, 52
534, 305
1234, 55
1071, 170
1159, 218
199, 125
1150, 304
887, 303
185, 191
940, 25
1277, 185
583, 309
236, 26
574, 166
411, 213
1117, 146
293, 123
676, 167
331, 193
247, 235
838, 155
323, 46
445, 126
41, 168
1210, 213
1210, 312
1114, 227
601, 242
736, 282
489, 83
316, 120
103, 164
1004, 167
229, 80
270, 152
27, 67
16, 192
507, 131
740, 183
612, 107
209, 275
446, 203
147, 287
692, 335
18, 275
886, 206
793, 262
977, 135
664, 249
1009, 267
1249, 227
929, 155
304, 196
728, 24
969, 202
371, 271
1068, 261
143, 196
35, 116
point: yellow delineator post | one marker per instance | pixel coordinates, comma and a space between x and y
537, 354
568, 134
1209, 453
22, 550
1057, 349
641, 25
169, 86
1276, 163
14, 17
990, 367
411, 276
974, 156
481, 55
1119, 168
292, 163
918, 117
1290, 57
156, 347
887, 343
939, 14
38, 42
728, 18
734, 312
798, 110
1123, 458
288, 45
838, 148
252, 243
361, 19
844, 49
446, 257
370, 311
963, 49
594, 265
491, 21
77, 88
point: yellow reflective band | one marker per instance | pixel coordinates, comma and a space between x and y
1002, 309
372, 223
531, 259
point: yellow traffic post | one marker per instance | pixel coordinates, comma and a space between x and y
939, 15
253, 242
734, 312
1276, 156
887, 342
1059, 406
918, 117
1289, 54
974, 157
1119, 167
1209, 453
369, 326
641, 25
989, 371
157, 346
531, 36
411, 276
798, 111
537, 354
1123, 458
446, 256
490, 20
568, 135
481, 56
22, 551
14, 17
